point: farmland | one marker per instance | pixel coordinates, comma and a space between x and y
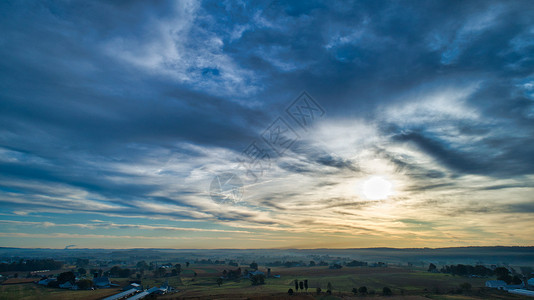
195, 274
404, 283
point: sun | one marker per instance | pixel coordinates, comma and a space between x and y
377, 188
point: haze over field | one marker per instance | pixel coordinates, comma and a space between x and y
134, 124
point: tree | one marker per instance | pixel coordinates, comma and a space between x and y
53, 284
312, 263
336, 266
142, 265
516, 280
301, 285
125, 273
254, 266
362, 290
82, 271
219, 281
233, 263
115, 271
160, 272
306, 284
290, 292
387, 291
466, 286
82, 262
85, 284
356, 263
501, 271
354, 291
66, 276
178, 268
31, 265
329, 287
187, 264
432, 267
503, 274
526, 270
296, 285
258, 279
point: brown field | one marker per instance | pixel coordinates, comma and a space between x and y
32, 291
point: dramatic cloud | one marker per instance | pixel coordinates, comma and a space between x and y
116, 117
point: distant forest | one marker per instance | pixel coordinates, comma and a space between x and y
502, 273
31, 265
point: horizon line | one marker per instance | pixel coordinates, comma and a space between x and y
185, 249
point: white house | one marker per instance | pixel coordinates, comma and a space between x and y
496, 284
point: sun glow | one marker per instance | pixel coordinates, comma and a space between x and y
377, 188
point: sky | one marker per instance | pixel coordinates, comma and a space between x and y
229, 124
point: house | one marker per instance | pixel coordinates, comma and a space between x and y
496, 284
531, 282
68, 285
257, 273
46, 281
250, 274
102, 282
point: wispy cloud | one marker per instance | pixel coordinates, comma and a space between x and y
125, 112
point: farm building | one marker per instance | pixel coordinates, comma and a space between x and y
122, 294
250, 274
522, 292
514, 286
496, 284
46, 281
68, 285
102, 282
133, 285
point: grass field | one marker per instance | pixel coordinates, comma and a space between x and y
31, 291
405, 284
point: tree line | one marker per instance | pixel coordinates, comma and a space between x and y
502, 273
31, 265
